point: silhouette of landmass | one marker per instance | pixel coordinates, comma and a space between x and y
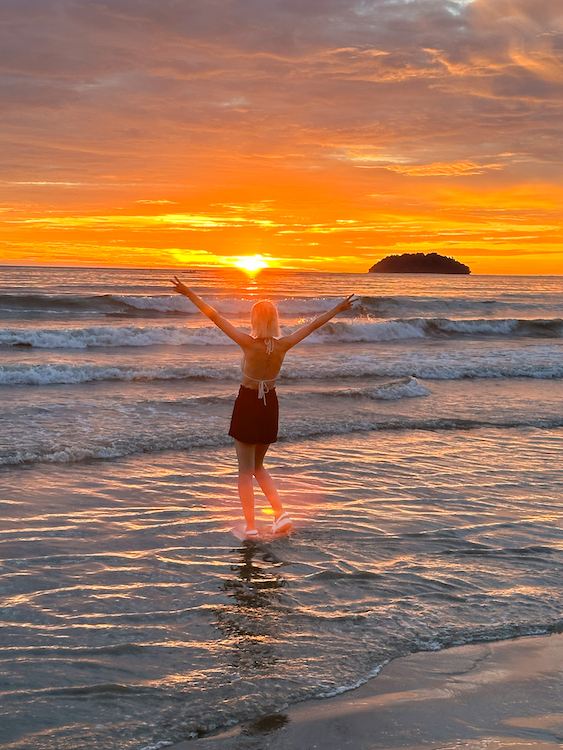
419, 263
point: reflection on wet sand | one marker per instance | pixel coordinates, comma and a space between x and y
250, 621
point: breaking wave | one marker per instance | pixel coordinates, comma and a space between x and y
539, 362
356, 331
148, 305
398, 389
166, 304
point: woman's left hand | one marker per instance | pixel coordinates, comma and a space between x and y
346, 304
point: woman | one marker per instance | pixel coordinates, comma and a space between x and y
254, 424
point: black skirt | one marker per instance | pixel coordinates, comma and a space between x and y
254, 421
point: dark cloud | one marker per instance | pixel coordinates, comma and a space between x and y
424, 81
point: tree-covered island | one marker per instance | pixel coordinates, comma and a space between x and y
419, 263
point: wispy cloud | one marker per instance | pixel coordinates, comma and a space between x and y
177, 221
442, 169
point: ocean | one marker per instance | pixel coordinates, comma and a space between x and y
419, 454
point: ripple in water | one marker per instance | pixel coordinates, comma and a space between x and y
130, 609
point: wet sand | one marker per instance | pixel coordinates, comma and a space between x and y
485, 696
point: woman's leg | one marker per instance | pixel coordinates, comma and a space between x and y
245, 456
265, 480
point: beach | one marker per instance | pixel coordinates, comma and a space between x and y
419, 456
497, 695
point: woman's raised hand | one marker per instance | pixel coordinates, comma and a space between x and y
178, 285
346, 304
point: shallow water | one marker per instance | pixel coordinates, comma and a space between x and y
130, 607
420, 439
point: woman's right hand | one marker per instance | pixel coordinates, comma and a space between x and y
346, 304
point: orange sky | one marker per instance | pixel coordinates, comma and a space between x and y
319, 134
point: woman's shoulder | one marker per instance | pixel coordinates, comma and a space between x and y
282, 343
255, 345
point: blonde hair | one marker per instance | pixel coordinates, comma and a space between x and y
264, 320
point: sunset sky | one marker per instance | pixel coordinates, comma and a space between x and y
316, 133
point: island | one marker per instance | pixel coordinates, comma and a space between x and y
419, 263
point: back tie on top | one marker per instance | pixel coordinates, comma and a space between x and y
263, 388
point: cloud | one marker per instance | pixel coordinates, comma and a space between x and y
178, 221
230, 101
441, 169
335, 63
157, 202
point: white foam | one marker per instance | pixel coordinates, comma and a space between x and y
390, 330
498, 327
178, 335
62, 373
98, 336
174, 335
56, 449
292, 306
458, 304
404, 388
346, 688
540, 362
160, 302
114, 448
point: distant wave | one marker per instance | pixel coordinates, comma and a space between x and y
59, 303
419, 305
170, 304
332, 332
146, 305
227, 305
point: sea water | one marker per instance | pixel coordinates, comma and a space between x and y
419, 452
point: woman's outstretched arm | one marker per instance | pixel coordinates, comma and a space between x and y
237, 336
306, 330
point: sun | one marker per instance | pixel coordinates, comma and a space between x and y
251, 263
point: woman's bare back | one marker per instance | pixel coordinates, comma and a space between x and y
258, 365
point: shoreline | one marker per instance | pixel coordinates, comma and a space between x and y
503, 694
